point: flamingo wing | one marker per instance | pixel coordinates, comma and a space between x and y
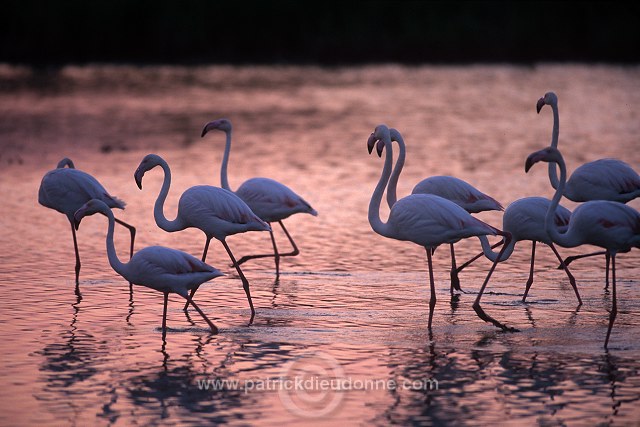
271, 200
431, 220
604, 179
458, 191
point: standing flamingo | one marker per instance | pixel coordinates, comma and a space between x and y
217, 212
156, 267
602, 179
451, 188
269, 199
427, 220
524, 219
613, 226
67, 189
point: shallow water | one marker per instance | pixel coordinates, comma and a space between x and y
351, 309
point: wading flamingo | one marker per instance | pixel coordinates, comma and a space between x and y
427, 220
524, 219
269, 199
217, 212
67, 189
613, 226
451, 188
602, 179
162, 269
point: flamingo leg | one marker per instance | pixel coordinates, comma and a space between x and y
572, 279
455, 281
607, 257
432, 299
245, 282
75, 247
614, 304
295, 251
164, 315
132, 231
476, 305
568, 260
531, 268
214, 329
204, 257
468, 263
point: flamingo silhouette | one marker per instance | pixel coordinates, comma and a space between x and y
427, 220
602, 179
269, 199
156, 267
451, 188
67, 189
217, 212
525, 219
613, 226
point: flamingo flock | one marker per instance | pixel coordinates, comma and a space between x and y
438, 212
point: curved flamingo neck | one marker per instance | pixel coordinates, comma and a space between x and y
115, 262
553, 175
566, 239
225, 161
493, 256
158, 209
376, 199
392, 196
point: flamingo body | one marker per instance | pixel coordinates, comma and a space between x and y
524, 219
217, 212
156, 267
430, 221
458, 191
603, 179
167, 270
66, 190
271, 200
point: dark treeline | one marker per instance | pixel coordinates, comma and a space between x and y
349, 32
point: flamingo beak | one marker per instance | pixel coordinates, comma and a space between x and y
533, 159
379, 147
371, 142
77, 217
138, 177
539, 105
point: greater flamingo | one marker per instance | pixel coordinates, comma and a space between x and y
427, 220
156, 267
269, 199
217, 212
613, 226
524, 219
67, 189
451, 188
602, 179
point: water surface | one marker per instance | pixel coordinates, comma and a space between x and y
353, 305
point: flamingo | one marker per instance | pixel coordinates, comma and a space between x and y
524, 219
602, 179
269, 199
611, 225
67, 189
458, 191
427, 220
217, 212
156, 267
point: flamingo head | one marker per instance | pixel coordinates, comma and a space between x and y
221, 124
549, 98
149, 162
378, 138
549, 155
65, 162
91, 207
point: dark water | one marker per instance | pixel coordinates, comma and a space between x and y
351, 309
